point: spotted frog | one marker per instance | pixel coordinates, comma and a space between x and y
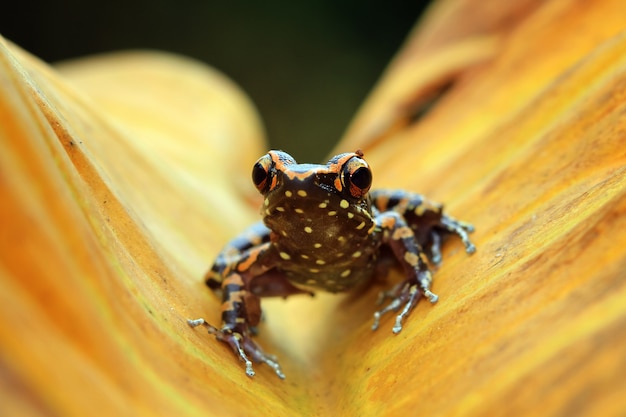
323, 229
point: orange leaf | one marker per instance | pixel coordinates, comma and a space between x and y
121, 177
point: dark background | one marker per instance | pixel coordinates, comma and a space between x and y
307, 65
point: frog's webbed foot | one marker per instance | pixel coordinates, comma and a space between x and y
405, 294
243, 346
461, 229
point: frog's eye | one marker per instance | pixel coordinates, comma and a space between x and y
265, 172
262, 173
356, 176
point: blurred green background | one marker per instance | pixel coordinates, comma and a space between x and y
307, 65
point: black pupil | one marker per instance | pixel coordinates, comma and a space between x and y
258, 174
362, 178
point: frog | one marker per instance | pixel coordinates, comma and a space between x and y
323, 229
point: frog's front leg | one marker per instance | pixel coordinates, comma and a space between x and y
426, 218
228, 258
243, 345
241, 308
400, 238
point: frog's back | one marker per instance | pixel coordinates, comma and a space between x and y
323, 235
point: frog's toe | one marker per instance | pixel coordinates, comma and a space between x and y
407, 298
275, 366
461, 229
244, 347
254, 350
394, 305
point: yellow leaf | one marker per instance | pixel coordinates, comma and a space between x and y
121, 177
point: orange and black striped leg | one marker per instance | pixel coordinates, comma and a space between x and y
426, 218
243, 345
241, 308
234, 251
401, 239
240, 311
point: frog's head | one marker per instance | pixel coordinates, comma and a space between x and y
346, 178
327, 203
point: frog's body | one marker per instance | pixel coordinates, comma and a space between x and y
323, 229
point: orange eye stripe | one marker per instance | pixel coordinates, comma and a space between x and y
338, 185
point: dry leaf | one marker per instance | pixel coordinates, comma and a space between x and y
121, 176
